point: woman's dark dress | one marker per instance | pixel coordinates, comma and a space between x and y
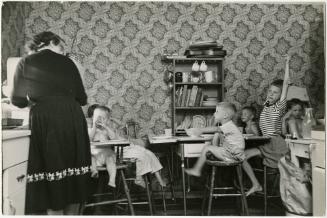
59, 162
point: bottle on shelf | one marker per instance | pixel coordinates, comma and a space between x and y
308, 122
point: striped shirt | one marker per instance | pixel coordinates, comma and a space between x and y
271, 118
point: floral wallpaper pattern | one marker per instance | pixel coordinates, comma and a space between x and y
120, 46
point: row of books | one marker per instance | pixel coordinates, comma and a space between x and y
189, 96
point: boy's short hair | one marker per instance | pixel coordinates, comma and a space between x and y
294, 101
278, 83
229, 107
252, 110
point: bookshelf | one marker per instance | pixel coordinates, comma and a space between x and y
190, 98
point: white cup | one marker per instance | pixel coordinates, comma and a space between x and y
168, 132
208, 76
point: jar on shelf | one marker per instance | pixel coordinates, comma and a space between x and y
307, 123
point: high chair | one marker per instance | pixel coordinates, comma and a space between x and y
210, 186
121, 175
132, 133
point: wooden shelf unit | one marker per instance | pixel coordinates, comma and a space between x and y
213, 89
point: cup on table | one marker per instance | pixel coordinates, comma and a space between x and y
168, 132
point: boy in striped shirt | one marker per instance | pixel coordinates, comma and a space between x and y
271, 125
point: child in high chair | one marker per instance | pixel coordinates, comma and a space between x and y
146, 161
228, 144
101, 131
292, 121
271, 125
248, 118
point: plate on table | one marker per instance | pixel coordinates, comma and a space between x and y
198, 121
162, 137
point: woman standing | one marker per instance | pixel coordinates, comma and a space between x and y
58, 173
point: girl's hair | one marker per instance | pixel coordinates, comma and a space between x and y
43, 39
91, 109
252, 110
293, 102
103, 108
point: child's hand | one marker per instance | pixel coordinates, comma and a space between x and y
287, 115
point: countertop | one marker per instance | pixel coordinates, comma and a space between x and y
14, 133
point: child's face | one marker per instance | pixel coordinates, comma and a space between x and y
297, 111
219, 114
274, 94
100, 115
246, 115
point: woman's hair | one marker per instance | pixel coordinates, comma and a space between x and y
293, 102
43, 39
252, 110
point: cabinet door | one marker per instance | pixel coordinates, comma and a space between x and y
15, 151
319, 191
318, 154
14, 187
15, 204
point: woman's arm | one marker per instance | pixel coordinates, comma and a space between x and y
18, 96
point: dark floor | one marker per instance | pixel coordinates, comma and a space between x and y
221, 206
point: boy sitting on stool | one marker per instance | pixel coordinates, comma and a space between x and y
231, 139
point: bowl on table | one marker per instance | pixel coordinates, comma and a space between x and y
193, 132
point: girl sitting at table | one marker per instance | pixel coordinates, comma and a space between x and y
146, 161
248, 118
292, 121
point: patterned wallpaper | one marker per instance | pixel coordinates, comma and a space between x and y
120, 43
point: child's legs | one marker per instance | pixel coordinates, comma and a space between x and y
111, 167
215, 150
248, 169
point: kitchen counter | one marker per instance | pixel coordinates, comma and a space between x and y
14, 133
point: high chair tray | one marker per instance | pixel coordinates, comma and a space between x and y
111, 142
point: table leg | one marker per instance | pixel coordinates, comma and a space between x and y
183, 177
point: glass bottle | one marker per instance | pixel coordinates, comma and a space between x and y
307, 123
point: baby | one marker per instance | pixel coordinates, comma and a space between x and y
248, 117
292, 121
146, 161
230, 139
101, 131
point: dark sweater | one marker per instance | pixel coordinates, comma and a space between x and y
46, 73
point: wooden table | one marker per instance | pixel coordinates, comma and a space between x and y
181, 140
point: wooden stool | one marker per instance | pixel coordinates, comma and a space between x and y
211, 185
268, 171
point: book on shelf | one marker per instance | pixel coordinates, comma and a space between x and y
184, 95
198, 97
179, 93
194, 91
201, 99
188, 97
